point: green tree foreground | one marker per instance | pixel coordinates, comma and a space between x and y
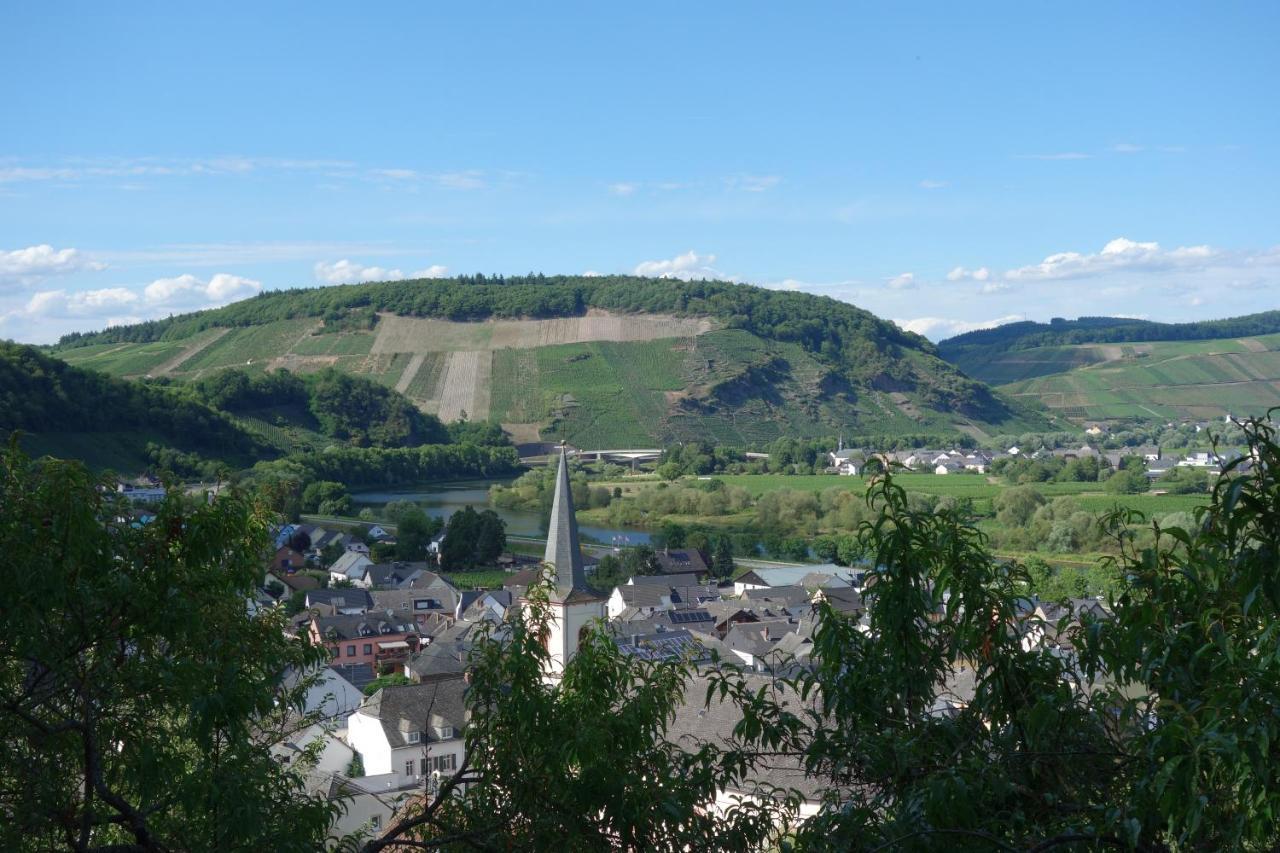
134, 716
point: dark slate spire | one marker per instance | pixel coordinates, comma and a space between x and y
563, 552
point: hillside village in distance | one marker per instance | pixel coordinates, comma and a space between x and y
392, 701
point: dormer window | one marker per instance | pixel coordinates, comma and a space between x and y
415, 737
444, 732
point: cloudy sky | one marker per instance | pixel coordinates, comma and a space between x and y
944, 165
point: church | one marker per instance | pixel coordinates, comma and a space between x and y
574, 606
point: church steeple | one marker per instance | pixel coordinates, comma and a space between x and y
563, 552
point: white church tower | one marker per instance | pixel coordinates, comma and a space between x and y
573, 605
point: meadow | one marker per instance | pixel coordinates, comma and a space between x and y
1091, 496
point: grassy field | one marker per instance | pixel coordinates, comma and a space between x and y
1091, 496
604, 393
488, 579
1161, 380
249, 347
345, 343
126, 359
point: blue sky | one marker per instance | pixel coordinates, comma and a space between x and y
944, 165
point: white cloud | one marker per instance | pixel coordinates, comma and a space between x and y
902, 281
350, 272
933, 185
1126, 148
592, 274
1121, 254
49, 313
623, 188
689, 265
993, 287
753, 183
33, 264
937, 328
187, 291
60, 303
962, 274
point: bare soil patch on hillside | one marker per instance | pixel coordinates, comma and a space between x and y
465, 389
421, 334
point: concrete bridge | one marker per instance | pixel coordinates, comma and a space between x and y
625, 455
538, 453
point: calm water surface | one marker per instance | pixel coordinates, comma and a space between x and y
442, 499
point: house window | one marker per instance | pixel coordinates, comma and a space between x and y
444, 732
444, 763
415, 737
408, 767
337, 653
368, 648
375, 822
351, 651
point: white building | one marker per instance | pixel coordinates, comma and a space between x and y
349, 567
408, 732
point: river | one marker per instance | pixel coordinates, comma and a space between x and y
442, 499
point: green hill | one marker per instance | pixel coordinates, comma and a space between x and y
1160, 380
66, 411
602, 361
1017, 351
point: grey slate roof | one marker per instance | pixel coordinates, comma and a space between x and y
644, 595
681, 560
359, 674
697, 722
349, 598
437, 596
679, 579
404, 708
373, 624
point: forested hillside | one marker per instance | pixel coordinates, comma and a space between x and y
316, 425
81, 412
604, 359
973, 350
1106, 368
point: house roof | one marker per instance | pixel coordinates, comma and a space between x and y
757, 638
487, 601
364, 626
358, 674
447, 655
337, 597
644, 595
440, 596
790, 594
844, 600
523, 578
664, 645
405, 708
792, 575
677, 579
349, 564
705, 717
681, 560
